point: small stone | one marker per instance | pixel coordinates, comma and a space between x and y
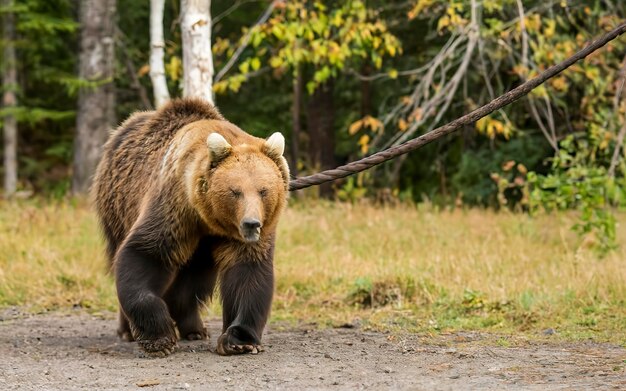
549, 331
148, 383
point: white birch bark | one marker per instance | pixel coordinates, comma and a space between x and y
157, 45
9, 81
197, 55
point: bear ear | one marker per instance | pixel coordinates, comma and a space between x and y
275, 145
219, 148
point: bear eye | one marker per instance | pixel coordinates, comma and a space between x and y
263, 192
236, 193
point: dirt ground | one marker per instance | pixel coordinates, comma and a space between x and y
81, 351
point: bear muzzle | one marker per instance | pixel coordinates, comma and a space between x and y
250, 229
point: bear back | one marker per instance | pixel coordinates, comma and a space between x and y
130, 162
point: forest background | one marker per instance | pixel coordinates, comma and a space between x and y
451, 237
345, 79
342, 80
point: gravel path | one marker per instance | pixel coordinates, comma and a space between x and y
80, 351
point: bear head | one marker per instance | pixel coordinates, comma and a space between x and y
245, 188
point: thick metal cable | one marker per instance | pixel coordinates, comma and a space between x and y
496, 104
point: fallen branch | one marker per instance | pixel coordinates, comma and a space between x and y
501, 101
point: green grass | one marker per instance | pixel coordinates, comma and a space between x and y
404, 268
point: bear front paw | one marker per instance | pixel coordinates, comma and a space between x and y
228, 345
160, 347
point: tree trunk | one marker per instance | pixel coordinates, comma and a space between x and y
96, 111
197, 56
321, 118
297, 124
157, 45
9, 82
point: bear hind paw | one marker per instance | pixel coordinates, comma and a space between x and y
197, 335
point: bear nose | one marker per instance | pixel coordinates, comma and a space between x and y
250, 224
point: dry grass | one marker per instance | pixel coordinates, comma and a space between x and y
406, 267
51, 256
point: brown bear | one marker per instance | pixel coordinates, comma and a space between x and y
186, 198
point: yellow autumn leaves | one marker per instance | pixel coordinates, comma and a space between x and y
493, 127
367, 122
487, 126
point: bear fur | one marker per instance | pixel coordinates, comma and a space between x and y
186, 198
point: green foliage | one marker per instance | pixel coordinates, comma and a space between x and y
46, 64
388, 42
353, 190
576, 181
35, 115
333, 38
259, 113
475, 181
581, 107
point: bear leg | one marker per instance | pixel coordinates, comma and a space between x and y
246, 290
192, 287
123, 330
141, 281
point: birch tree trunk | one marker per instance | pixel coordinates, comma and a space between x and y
197, 55
9, 83
157, 45
96, 111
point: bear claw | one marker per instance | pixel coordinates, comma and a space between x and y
227, 350
160, 347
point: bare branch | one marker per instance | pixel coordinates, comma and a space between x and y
535, 113
134, 80
438, 104
622, 131
549, 135
230, 10
422, 90
244, 43
496, 104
